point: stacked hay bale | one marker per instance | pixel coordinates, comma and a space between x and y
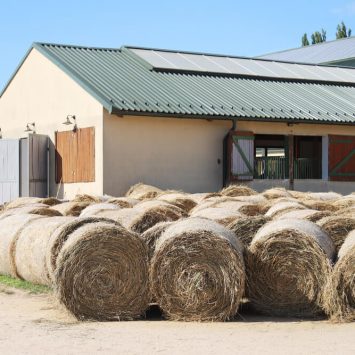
340, 295
280, 208
143, 192
197, 271
71, 208
288, 264
238, 190
337, 227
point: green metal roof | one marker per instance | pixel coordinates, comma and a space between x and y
124, 83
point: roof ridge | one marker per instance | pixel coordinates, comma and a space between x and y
304, 47
63, 45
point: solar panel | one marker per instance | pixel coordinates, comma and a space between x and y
179, 61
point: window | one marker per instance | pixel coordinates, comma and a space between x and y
75, 155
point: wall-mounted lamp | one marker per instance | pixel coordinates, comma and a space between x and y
71, 119
31, 127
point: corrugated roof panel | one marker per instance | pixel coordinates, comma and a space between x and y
125, 83
167, 60
326, 52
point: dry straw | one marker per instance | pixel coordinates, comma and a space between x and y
288, 264
197, 271
102, 273
238, 190
222, 215
340, 295
87, 198
31, 249
319, 205
143, 192
246, 228
123, 202
11, 228
276, 192
337, 227
180, 200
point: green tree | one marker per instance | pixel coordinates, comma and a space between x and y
342, 31
319, 37
305, 41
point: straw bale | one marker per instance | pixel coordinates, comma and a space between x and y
71, 208
31, 249
345, 202
60, 235
87, 198
123, 202
340, 295
111, 265
319, 205
22, 201
197, 271
308, 214
143, 192
281, 208
91, 210
246, 228
288, 264
180, 200
276, 192
337, 227
324, 196
238, 190
10, 229
35, 208
221, 215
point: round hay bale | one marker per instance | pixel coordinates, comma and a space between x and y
246, 228
91, 210
60, 235
10, 229
219, 214
344, 202
123, 202
198, 197
143, 192
238, 190
87, 198
140, 218
276, 192
288, 264
319, 205
38, 208
299, 195
308, 214
22, 201
50, 201
31, 249
256, 199
280, 208
337, 227
350, 211
151, 236
324, 196
340, 295
71, 208
111, 265
180, 200
197, 271
248, 209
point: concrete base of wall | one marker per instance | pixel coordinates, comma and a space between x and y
305, 185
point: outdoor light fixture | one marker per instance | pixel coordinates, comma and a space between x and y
71, 119
31, 127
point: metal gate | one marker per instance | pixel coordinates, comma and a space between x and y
9, 169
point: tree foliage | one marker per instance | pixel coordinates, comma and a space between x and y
305, 41
319, 37
342, 31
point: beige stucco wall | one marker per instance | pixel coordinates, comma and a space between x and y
42, 93
177, 153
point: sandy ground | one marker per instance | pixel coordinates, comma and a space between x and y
35, 324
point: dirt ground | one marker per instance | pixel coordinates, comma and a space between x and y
35, 324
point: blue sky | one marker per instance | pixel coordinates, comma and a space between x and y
230, 27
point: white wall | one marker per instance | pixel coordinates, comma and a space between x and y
44, 94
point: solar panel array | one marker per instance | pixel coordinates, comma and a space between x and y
180, 61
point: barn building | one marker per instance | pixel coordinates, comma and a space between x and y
97, 120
